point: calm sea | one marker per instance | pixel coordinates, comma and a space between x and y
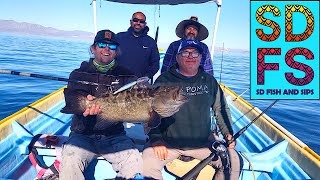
58, 57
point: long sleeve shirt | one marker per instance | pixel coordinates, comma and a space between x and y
138, 53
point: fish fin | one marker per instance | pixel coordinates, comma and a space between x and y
146, 128
155, 120
73, 102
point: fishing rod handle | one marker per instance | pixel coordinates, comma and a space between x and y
218, 147
194, 171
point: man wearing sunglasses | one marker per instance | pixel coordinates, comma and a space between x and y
188, 132
90, 136
139, 52
189, 29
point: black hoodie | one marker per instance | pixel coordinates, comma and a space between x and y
139, 54
88, 72
190, 127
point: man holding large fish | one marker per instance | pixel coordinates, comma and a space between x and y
188, 132
97, 128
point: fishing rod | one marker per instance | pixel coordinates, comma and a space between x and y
220, 147
3, 71
241, 131
240, 95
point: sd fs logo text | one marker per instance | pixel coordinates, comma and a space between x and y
284, 49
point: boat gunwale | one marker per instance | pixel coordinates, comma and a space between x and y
28, 113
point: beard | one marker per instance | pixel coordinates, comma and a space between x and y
137, 29
191, 36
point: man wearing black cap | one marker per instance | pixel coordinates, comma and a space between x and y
188, 132
90, 136
189, 29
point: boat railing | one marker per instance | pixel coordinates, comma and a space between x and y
30, 112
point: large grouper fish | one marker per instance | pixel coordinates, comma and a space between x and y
146, 104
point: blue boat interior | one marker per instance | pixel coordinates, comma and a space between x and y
262, 158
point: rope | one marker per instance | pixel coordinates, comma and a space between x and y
250, 164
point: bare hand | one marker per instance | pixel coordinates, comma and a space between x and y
160, 150
228, 138
94, 109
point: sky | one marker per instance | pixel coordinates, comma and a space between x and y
233, 30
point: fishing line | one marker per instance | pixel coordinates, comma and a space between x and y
221, 61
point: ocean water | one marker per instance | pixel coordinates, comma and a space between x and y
58, 57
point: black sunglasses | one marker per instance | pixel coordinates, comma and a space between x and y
138, 20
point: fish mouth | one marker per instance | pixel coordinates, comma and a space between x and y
183, 98
179, 96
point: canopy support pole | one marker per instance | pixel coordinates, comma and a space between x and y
219, 3
94, 5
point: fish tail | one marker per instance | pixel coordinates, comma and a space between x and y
74, 101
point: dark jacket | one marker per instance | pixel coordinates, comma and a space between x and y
139, 54
190, 127
88, 72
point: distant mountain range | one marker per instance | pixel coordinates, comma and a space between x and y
36, 29
24, 28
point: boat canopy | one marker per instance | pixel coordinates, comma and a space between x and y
161, 2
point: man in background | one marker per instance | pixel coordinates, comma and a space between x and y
139, 52
189, 29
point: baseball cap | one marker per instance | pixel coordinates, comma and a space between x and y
106, 35
190, 43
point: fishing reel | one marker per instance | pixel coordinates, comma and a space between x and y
220, 149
